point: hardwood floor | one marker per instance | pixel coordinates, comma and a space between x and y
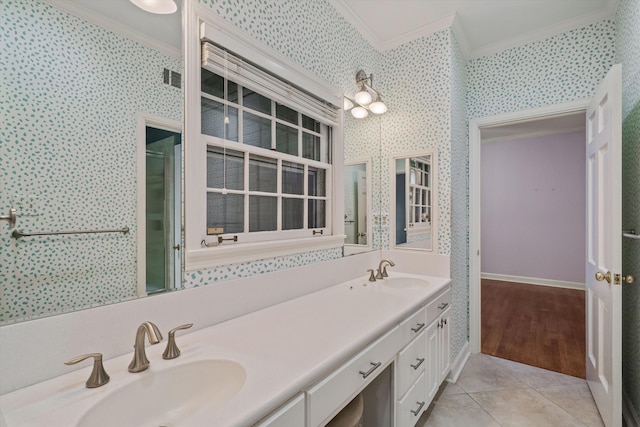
537, 325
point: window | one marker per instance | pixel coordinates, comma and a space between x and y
268, 165
259, 165
419, 192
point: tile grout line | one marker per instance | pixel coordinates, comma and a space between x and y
484, 409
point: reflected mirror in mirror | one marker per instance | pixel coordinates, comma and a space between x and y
357, 206
78, 75
413, 189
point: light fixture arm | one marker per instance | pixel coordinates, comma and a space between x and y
361, 81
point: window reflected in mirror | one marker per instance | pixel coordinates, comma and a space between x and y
357, 206
414, 194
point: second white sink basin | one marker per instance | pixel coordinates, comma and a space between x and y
405, 282
169, 396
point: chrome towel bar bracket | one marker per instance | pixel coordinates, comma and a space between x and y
12, 217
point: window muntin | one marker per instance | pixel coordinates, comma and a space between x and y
277, 164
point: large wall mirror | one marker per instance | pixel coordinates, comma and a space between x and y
413, 192
95, 99
95, 114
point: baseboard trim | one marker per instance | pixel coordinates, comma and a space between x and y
629, 413
534, 281
458, 364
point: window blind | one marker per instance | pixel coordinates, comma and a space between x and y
223, 63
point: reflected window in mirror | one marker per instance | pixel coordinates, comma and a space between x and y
357, 206
413, 186
269, 172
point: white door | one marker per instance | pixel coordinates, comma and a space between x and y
604, 248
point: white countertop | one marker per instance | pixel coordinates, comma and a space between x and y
284, 349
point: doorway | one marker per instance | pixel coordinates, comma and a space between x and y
533, 242
475, 137
159, 206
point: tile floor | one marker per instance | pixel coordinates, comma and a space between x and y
494, 392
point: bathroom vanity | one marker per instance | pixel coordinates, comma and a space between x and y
297, 363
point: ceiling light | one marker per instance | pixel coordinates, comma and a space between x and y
359, 112
364, 97
162, 7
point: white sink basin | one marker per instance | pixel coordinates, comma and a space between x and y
405, 282
167, 397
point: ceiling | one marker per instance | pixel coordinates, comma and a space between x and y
482, 27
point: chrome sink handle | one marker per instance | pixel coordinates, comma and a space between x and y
172, 351
372, 276
140, 361
98, 376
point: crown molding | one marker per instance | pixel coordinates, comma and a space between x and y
461, 36
546, 32
354, 19
114, 26
425, 30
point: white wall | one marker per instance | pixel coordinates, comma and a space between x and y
533, 207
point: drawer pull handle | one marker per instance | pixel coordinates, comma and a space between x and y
418, 328
443, 305
374, 366
417, 365
417, 411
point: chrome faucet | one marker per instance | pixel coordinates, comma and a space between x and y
140, 361
382, 269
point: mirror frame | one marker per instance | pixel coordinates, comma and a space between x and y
434, 190
350, 248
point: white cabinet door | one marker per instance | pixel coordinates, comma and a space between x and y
432, 368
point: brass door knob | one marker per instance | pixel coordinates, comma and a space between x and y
628, 279
600, 276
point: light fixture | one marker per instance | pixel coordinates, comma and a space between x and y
362, 100
378, 107
162, 7
359, 112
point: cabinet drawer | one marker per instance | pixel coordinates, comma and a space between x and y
411, 362
410, 408
436, 307
413, 325
328, 396
290, 415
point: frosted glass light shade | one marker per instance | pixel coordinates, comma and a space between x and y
162, 7
378, 107
363, 97
359, 112
347, 104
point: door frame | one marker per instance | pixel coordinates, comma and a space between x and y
145, 120
475, 126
